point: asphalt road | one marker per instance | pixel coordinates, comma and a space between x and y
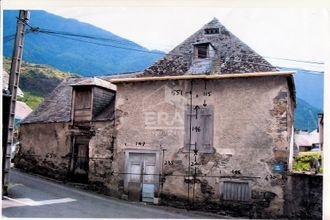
34, 197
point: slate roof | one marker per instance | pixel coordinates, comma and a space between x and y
231, 55
57, 106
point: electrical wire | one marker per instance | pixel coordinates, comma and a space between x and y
107, 45
75, 36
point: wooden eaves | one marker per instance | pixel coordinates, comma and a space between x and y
187, 77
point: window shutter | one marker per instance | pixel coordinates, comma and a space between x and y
206, 115
201, 128
191, 118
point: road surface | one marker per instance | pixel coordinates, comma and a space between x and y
31, 196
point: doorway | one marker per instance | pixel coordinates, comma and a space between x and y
141, 178
80, 159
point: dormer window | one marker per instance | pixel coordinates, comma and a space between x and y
90, 97
211, 31
201, 51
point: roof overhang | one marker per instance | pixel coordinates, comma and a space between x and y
189, 77
96, 82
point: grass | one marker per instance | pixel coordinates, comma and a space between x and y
37, 81
31, 100
37, 70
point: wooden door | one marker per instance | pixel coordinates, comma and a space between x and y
141, 176
80, 159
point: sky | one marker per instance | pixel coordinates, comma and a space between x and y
298, 34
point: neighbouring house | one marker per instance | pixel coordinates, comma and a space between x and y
5, 81
22, 110
320, 128
306, 141
208, 126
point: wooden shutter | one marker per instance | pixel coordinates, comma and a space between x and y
83, 105
201, 128
206, 118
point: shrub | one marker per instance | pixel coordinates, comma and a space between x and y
304, 159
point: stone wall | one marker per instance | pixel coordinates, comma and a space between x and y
251, 134
44, 149
101, 156
303, 198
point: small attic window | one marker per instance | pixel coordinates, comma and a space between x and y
211, 31
201, 51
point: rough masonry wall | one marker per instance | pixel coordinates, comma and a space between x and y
304, 196
44, 149
251, 135
101, 156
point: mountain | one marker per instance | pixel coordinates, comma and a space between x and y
37, 81
309, 86
76, 56
305, 116
310, 97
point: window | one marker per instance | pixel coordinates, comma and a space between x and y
202, 51
212, 31
199, 128
235, 191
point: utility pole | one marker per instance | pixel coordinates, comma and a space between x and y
9, 118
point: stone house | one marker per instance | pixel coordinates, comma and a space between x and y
208, 126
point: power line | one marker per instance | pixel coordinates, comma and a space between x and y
12, 36
9, 37
75, 36
101, 44
85, 36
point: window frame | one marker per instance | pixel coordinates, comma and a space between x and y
198, 49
